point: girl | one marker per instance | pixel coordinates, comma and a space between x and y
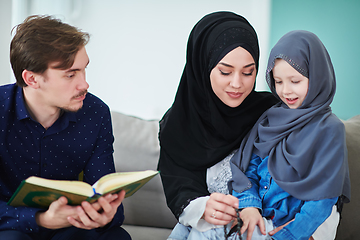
295, 157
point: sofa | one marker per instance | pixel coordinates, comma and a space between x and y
147, 216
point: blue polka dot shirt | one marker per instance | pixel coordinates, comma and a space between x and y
76, 142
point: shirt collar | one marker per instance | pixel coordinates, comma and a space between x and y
22, 112
20, 108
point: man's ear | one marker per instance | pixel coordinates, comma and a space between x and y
30, 78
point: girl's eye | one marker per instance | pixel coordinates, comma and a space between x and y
224, 73
295, 82
278, 82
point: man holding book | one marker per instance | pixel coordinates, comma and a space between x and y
51, 127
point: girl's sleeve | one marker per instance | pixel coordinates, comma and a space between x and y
250, 197
310, 217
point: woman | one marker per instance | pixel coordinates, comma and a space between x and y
214, 108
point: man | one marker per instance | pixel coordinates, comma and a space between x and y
51, 127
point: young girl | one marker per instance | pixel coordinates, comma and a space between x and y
291, 170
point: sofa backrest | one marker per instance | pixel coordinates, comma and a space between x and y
349, 225
136, 148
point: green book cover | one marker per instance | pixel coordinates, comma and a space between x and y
40, 192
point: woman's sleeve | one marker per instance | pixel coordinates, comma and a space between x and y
192, 215
180, 184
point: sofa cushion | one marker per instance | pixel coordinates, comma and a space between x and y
136, 148
348, 228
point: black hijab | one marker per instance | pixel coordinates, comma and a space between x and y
199, 130
306, 146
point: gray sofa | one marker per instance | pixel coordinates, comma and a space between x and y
146, 213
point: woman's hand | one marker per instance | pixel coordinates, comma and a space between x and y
220, 209
251, 217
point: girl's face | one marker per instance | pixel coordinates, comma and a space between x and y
290, 85
233, 78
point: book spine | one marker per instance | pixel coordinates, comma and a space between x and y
16, 192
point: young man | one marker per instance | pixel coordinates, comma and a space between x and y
51, 127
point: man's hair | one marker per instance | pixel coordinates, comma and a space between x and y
42, 40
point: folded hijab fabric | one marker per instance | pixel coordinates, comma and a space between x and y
199, 130
306, 146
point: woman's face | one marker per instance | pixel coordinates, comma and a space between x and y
233, 78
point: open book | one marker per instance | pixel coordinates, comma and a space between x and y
40, 192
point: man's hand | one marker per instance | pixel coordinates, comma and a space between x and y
56, 216
99, 214
220, 209
251, 217
86, 216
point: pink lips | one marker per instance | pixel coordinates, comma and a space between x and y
234, 94
291, 100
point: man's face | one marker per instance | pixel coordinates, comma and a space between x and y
66, 89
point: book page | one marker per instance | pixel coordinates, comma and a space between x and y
116, 180
78, 187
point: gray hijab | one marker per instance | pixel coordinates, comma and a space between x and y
306, 146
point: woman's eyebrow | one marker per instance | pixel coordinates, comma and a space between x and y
228, 65
249, 65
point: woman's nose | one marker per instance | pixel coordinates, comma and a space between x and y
236, 81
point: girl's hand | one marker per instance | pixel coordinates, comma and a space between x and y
220, 209
251, 217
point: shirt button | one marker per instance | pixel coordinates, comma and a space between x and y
266, 187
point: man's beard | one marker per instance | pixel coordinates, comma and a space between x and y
68, 109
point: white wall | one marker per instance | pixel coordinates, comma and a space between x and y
5, 37
137, 48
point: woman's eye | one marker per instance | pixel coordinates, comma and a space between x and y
224, 73
295, 82
278, 82
250, 73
